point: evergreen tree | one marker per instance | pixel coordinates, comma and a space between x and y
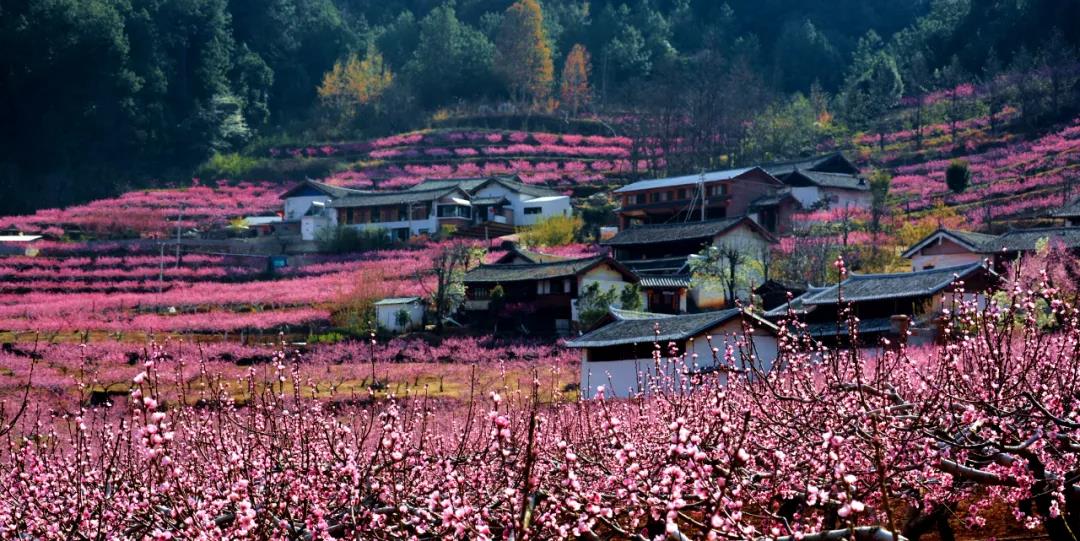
958, 176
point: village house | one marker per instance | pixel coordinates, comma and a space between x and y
708, 196
948, 247
498, 204
549, 290
888, 305
830, 180
400, 314
660, 254
1070, 214
518, 255
618, 353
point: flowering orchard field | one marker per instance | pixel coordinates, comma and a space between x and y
114, 287
827, 443
400, 161
64, 373
1013, 180
154, 213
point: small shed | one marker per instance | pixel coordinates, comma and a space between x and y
400, 314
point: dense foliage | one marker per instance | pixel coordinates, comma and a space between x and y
102, 94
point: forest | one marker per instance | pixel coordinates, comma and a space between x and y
100, 96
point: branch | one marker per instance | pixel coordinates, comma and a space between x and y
862, 533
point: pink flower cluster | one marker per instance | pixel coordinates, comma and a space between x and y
1041, 166
827, 442
150, 213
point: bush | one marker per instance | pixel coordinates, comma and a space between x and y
958, 176
553, 231
344, 239
227, 166
234, 166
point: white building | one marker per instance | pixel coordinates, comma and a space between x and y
400, 314
830, 180
424, 208
618, 354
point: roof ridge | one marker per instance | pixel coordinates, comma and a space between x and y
921, 272
676, 224
522, 265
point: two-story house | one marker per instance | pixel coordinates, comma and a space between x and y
549, 290
708, 196
830, 180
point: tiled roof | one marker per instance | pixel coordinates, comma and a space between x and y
335, 192
834, 180
641, 328
467, 184
531, 271
1068, 211
666, 265
470, 185
973, 241
866, 326
397, 300
813, 163
529, 255
872, 287
1026, 240
661, 282
682, 231
686, 180
796, 305
391, 198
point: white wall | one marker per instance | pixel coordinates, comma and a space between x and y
518, 202
806, 195
607, 278
852, 198
311, 225
429, 225
296, 207
621, 378
920, 261
558, 206
386, 315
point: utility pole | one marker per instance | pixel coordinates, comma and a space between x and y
704, 199
161, 269
178, 221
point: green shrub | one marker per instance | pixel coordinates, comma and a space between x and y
344, 239
227, 166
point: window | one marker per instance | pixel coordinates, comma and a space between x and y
682, 193
543, 287
349, 215
640, 199
454, 211
403, 213
566, 285
533, 210
481, 292
654, 197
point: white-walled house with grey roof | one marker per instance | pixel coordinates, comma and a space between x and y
422, 209
618, 354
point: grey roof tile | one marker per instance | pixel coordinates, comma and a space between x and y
682, 231
642, 328
499, 273
872, 287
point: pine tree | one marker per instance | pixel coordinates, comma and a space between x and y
523, 56
575, 91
